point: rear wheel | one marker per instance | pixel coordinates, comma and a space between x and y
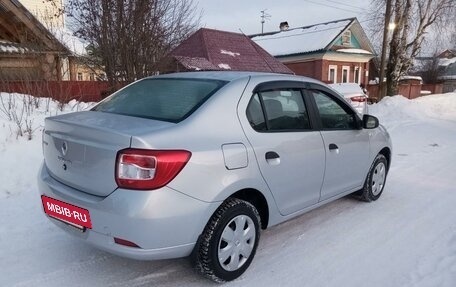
229, 241
375, 180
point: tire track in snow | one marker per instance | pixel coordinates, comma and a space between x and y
74, 268
438, 269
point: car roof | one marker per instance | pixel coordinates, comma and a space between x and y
347, 88
234, 75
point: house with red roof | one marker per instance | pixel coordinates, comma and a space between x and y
215, 50
333, 52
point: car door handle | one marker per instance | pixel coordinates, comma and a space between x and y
272, 158
333, 147
271, 155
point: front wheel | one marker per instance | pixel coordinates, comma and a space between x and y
229, 241
375, 180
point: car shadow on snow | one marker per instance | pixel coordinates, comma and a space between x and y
96, 267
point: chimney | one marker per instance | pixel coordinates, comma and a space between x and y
284, 26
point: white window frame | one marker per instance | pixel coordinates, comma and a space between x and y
330, 67
345, 68
360, 71
346, 38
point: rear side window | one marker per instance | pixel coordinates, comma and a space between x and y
162, 99
255, 114
284, 111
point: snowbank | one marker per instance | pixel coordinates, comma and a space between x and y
398, 109
21, 157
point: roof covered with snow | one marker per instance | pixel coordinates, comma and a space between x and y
12, 48
209, 49
444, 62
408, 78
450, 71
73, 43
301, 40
313, 38
21, 29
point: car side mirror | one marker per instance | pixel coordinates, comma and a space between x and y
370, 122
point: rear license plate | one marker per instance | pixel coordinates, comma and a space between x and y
71, 214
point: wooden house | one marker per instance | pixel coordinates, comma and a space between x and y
28, 51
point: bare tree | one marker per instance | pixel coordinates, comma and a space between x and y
412, 20
129, 38
430, 70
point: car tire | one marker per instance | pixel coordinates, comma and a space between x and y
229, 241
375, 180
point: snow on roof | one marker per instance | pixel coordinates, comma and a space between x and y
404, 78
13, 48
301, 40
66, 37
224, 66
444, 62
212, 49
354, 51
196, 63
232, 54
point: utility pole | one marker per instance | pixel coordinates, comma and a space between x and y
264, 16
381, 85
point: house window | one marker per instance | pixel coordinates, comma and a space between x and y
346, 38
345, 74
358, 75
92, 76
80, 77
332, 74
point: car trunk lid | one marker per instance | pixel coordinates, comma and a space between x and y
80, 149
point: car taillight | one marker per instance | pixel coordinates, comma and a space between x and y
358, 99
149, 169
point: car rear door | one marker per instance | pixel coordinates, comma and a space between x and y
346, 143
288, 149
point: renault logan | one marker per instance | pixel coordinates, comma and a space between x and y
198, 163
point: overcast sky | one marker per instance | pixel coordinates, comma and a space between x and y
233, 15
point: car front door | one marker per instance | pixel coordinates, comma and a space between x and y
346, 143
288, 149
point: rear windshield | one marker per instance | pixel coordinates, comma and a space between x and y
169, 100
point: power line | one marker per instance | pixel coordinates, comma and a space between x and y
311, 32
331, 6
345, 4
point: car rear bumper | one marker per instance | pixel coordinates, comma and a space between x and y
164, 223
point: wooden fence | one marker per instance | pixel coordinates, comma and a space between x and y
62, 91
410, 90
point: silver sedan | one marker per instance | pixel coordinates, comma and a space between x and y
196, 164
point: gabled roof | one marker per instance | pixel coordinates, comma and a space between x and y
448, 53
450, 72
20, 28
209, 49
314, 38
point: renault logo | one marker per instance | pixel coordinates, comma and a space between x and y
64, 148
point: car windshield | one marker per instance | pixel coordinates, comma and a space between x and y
168, 99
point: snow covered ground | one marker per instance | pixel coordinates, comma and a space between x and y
406, 238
